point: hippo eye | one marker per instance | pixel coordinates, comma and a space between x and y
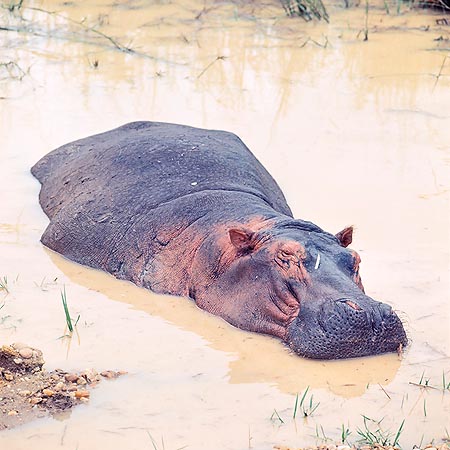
285, 254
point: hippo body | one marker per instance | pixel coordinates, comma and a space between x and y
191, 212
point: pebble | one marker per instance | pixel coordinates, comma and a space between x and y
26, 353
109, 374
18, 360
60, 386
48, 392
8, 376
25, 393
82, 394
13, 413
8, 350
71, 377
19, 345
35, 400
81, 381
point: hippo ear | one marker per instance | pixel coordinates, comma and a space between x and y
242, 239
345, 236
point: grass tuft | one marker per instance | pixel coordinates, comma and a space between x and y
69, 323
373, 434
345, 433
307, 407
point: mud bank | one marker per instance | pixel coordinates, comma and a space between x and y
28, 391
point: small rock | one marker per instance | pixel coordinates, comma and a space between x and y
59, 386
82, 394
13, 413
71, 377
18, 360
48, 392
19, 345
26, 353
8, 350
109, 374
8, 376
89, 375
35, 400
25, 393
81, 381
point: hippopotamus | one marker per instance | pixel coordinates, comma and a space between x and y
192, 212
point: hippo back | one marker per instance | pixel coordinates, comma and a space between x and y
100, 190
144, 164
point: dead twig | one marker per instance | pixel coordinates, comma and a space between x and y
440, 72
218, 58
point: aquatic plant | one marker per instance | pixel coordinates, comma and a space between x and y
345, 433
12, 6
307, 9
307, 408
4, 284
69, 323
276, 416
375, 435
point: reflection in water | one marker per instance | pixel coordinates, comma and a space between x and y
255, 358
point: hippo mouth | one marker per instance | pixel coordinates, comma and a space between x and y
346, 328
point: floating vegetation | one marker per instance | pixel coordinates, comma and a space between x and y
307, 9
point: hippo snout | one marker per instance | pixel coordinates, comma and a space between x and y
346, 328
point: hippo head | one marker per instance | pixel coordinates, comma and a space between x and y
301, 284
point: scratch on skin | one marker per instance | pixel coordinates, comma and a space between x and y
317, 262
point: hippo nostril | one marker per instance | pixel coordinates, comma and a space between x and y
385, 310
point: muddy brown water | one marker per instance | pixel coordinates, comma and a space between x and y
354, 132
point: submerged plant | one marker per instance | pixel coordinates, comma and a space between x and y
4, 284
12, 6
11, 71
320, 434
445, 383
307, 9
276, 416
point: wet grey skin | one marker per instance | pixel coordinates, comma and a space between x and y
336, 318
191, 212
